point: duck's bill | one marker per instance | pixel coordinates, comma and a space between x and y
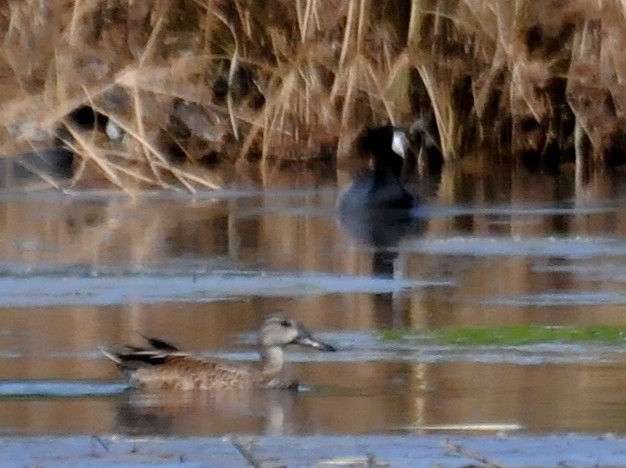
313, 343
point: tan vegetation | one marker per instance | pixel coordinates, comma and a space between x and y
205, 82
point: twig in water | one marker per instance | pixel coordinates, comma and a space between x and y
372, 461
460, 450
247, 454
95, 438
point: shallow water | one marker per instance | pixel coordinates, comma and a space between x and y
317, 450
91, 269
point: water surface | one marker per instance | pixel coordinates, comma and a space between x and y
84, 270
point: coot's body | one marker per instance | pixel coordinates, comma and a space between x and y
376, 208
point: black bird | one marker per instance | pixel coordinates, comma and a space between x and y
376, 207
58, 161
380, 189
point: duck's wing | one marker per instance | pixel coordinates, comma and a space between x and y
136, 356
133, 357
158, 343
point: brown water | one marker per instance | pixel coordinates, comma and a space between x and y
90, 269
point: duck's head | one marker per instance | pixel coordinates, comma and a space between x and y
281, 331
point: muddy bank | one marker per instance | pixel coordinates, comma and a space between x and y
395, 451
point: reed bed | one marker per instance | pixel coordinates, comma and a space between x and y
197, 83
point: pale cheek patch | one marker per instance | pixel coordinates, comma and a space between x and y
399, 143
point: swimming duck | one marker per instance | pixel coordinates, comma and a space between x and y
163, 366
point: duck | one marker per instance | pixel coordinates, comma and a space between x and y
381, 189
162, 366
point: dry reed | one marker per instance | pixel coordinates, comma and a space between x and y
196, 82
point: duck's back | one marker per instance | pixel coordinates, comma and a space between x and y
183, 373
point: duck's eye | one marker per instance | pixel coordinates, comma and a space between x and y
285, 323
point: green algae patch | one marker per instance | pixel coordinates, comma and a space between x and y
395, 334
529, 334
514, 335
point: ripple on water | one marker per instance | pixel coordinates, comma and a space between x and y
57, 388
578, 247
417, 348
554, 299
49, 290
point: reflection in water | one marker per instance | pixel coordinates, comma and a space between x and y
488, 250
378, 229
262, 411
133, 418
382, 231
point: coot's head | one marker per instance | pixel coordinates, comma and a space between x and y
388, 146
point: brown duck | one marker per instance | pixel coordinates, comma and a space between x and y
163, 366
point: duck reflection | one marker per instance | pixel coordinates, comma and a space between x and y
267, 412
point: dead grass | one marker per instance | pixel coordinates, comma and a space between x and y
193, 82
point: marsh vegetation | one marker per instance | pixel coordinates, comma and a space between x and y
197, 83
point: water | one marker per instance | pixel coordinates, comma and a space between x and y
91, 269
